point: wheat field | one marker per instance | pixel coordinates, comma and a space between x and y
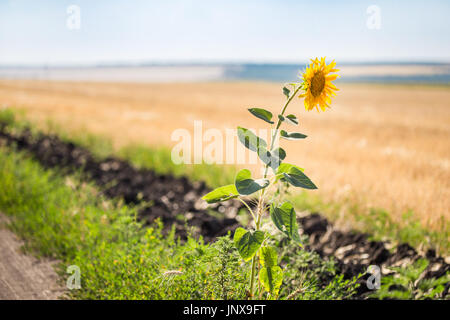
385, 146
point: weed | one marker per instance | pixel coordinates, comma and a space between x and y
407, 283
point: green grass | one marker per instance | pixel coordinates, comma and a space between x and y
406, 284
375, 221
64, 218
118, 258
159, 159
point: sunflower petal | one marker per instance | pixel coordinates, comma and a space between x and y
321, 86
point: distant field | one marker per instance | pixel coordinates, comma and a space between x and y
380, 146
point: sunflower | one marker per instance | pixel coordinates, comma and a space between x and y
317, 84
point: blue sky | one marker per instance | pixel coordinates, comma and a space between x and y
35, 31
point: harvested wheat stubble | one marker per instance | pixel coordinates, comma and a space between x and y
171, 196
379, 146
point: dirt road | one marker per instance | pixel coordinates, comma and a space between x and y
22, 276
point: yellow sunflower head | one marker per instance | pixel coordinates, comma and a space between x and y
317, 84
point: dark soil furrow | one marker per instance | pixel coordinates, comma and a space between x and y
168, 196
354, 252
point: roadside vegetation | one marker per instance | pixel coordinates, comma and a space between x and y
407, 284
66, 218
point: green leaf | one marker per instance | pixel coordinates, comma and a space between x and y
295, 176
268, 257
286, 92
277, 156
250, 140
245, 185
271, 278
279, 153
292, 119
262, 114
247, 242
285, 219
272, 159
292, 136
264, 155
286, 167
221, 194
298, 179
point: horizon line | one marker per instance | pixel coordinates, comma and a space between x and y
177, 63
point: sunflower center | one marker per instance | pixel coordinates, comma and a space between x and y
317, 84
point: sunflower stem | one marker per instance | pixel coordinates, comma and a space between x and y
275, 133
262, 192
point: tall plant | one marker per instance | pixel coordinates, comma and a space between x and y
316, 88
